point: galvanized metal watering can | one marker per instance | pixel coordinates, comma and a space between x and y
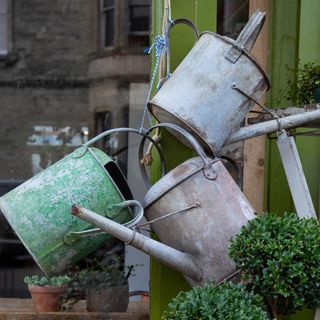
195, 210
214, 87
38, 210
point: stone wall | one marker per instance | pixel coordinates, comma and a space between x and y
43, 82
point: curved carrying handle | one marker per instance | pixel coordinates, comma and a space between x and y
145, 136
172, 24
209, 172
129, 203
72, 237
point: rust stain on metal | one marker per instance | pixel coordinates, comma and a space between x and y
75, 210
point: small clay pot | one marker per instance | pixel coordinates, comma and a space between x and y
46, 298
113, 299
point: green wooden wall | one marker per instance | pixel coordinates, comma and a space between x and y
165, 282
294, 37
294, 34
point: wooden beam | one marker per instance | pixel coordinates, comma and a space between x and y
254, 149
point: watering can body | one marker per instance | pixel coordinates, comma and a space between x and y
209, 92
195, 210
38, 210
210, 213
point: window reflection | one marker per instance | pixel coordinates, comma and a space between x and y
232, 17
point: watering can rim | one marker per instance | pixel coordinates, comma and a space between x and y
202, 140
91, 150
247, 53
161, 187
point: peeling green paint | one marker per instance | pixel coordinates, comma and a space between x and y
39, 209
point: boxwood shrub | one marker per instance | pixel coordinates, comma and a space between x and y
211, 302
279, 258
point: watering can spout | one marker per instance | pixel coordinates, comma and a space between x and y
165, 254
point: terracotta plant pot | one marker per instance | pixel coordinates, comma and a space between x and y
114, 299
46, 298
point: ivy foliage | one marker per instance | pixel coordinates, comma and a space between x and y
300, 91
280, 260
44, 281
211, 302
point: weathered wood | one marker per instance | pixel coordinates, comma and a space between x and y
290, 111
254, 149
295, 176
21, 309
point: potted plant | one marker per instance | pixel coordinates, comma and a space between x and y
306, 88
279, 259
46, 292
227, 301
105, 286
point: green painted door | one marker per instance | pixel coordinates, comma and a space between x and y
165, 282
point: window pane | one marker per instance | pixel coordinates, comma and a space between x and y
108, 3
3, 6
139, 18
139, 2
3, 34
109, 27
232, 17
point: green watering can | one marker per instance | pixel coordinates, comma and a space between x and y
39, 209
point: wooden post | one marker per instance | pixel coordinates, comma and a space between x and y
254, 149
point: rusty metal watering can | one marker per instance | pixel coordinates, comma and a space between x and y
38, 210
214, 87
195, 210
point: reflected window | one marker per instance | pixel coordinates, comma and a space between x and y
115, 145
232, 17
139, 16
107, 22
139, 23
103, 123
4, 27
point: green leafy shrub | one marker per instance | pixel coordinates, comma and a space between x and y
44, 281
279, 258
227, 301
300, 91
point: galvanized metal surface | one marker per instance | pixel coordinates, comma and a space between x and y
174, 258
247, 37
295, 176
273, 126
195, 210
203, 232
199, 96
38, 210
284, 112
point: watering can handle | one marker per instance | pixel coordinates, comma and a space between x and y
145, 136
247, 37
172, 24
71, 237
209, 172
